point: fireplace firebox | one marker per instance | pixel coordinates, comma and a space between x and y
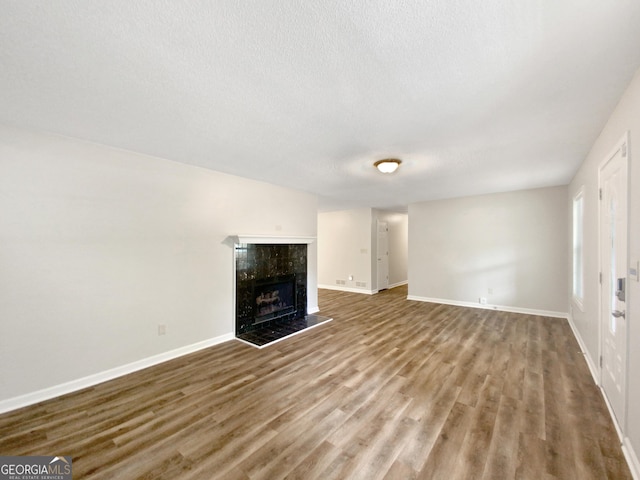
274, 299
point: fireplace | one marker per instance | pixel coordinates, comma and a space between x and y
274, 299
271, 289
271, 284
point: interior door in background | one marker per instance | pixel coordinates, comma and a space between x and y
383, 255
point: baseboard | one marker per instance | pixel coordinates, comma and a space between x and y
348, 289
398, 284
91, 380
625, 443
587, 356
499, 308
632, 459
627, 449
313, 310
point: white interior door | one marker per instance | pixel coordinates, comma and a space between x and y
613, 288
383, 255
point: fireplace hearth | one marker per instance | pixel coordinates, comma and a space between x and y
280, 329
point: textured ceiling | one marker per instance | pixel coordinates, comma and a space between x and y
474, 96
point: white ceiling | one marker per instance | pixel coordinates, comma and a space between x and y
474, 96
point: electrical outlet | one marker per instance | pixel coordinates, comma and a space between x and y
162, 329
483, 300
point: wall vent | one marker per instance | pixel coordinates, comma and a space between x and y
341, 282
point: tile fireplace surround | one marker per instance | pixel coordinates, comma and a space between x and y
267, 267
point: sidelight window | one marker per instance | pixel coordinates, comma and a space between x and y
578, 247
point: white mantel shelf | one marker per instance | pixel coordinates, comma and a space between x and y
272, 239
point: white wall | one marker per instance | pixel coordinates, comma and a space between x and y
347, 244
344, 249
99, 246
625, 117
507, 247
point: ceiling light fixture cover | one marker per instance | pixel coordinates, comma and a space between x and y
388, 165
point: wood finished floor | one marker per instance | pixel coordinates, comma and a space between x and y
391, 389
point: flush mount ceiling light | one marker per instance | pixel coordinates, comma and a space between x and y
388, 165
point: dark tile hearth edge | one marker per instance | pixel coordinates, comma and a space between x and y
268, 335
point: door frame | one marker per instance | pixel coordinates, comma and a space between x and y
386, 225
621, 424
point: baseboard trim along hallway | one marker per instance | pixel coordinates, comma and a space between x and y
499, 308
